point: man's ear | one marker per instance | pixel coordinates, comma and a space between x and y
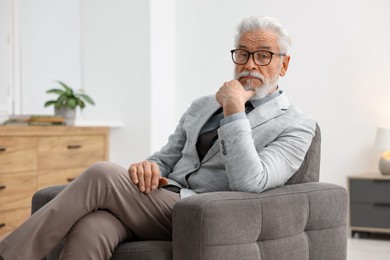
286, 61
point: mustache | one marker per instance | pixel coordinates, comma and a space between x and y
253, 74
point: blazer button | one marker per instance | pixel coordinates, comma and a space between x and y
196, 165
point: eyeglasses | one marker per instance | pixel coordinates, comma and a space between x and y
261, 57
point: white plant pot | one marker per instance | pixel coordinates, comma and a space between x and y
68, 114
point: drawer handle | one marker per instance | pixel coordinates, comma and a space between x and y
75, 146
2, 187
3, 149
380, 180
382, 204
70, 179
2, 225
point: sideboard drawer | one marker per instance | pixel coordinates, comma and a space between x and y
11, 219
18, 154
17, 189
69, 151
369, 191
58, 177
370, 215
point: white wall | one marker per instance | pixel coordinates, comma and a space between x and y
162, 71
338, 71
50, 50
116, 72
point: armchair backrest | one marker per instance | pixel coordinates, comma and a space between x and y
310, 168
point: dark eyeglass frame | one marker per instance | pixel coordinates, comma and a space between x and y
253, 56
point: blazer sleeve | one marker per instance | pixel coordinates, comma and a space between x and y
256, 169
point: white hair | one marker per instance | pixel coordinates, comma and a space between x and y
265, 23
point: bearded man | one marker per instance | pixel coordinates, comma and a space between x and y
246, 137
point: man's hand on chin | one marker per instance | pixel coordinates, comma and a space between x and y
232, 97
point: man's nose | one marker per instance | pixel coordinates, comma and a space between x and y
250, 64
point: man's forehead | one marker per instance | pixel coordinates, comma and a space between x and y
264, 40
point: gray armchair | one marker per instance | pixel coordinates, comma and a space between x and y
303, 220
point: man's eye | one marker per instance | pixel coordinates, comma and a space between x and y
262, 55
242, 54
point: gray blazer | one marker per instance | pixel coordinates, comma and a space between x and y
253, 154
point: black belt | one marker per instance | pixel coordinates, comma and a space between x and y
172, 188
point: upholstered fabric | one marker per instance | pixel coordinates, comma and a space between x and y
144, 250
303, 221
310, 168
307, 220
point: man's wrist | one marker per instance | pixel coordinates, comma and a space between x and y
231, 118
233, 109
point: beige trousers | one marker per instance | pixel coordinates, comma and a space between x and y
97, 211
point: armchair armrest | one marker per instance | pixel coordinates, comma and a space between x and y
306, 220
45, 195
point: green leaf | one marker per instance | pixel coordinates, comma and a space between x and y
49, 103
80, 103
64, 85
68, 90
55, 91
87, 98
72, 103
61, 101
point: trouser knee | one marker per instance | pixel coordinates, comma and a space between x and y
104, 171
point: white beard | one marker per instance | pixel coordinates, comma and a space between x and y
261, 91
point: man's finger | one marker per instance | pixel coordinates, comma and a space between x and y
249, 93
141, 180
155, 175
147, 175
133, 173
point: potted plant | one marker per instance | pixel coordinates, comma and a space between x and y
67, 102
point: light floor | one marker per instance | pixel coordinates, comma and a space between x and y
362, 249
368, 249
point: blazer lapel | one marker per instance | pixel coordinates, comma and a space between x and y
204, 115
268, 110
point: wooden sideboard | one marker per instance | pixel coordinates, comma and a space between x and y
34, 157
